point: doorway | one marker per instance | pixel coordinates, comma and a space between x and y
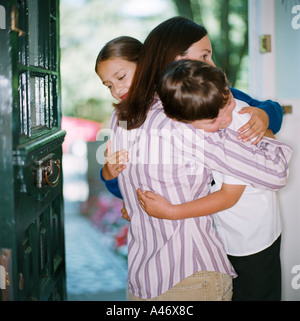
85, 27
96, 250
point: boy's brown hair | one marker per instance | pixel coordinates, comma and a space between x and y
193, 90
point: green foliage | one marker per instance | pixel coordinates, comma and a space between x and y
227, 25
86, 25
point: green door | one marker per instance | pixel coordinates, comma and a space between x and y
32, 264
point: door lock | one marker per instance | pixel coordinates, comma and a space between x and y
45, 169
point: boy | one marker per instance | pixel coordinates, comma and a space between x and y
196, 93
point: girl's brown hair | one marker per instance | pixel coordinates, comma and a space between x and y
193, 90
164, 43
124, 47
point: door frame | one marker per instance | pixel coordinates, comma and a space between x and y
262, 65
264, 73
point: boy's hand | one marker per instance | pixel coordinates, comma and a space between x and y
256, 126
155, 205
114, 163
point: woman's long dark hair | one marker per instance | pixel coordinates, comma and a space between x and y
164, 43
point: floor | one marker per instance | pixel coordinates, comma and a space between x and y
94, 271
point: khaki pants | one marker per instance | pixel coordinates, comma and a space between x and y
201, 286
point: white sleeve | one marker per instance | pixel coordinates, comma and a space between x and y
232, 181
220, 178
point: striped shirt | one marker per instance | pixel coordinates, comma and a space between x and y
176, 161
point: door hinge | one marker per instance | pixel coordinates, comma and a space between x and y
21, 281
287, 109
15, 21
265, 43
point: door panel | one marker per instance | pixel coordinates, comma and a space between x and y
36, 222
275, 75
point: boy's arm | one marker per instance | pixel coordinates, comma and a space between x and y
158, 206
264, 165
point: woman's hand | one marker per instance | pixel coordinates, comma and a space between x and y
114, 163
256, 126
156, 205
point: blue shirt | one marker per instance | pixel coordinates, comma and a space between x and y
111, 185
272, 108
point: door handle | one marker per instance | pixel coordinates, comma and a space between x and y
45, 169
49, 171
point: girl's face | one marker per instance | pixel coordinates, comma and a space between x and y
223, 120
200, 50
117, 75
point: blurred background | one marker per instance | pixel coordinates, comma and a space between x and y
86, 25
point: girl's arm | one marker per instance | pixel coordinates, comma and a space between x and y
158, 206
114, 165
111, 185
269, 114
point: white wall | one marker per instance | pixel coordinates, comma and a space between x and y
276, 76
289, 198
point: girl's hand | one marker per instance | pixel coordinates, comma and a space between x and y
256, 126
124, 213
114, 163
156, 205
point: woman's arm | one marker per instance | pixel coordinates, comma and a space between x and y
158, 206
269, 115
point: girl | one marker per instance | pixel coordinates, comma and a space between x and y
116, 64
